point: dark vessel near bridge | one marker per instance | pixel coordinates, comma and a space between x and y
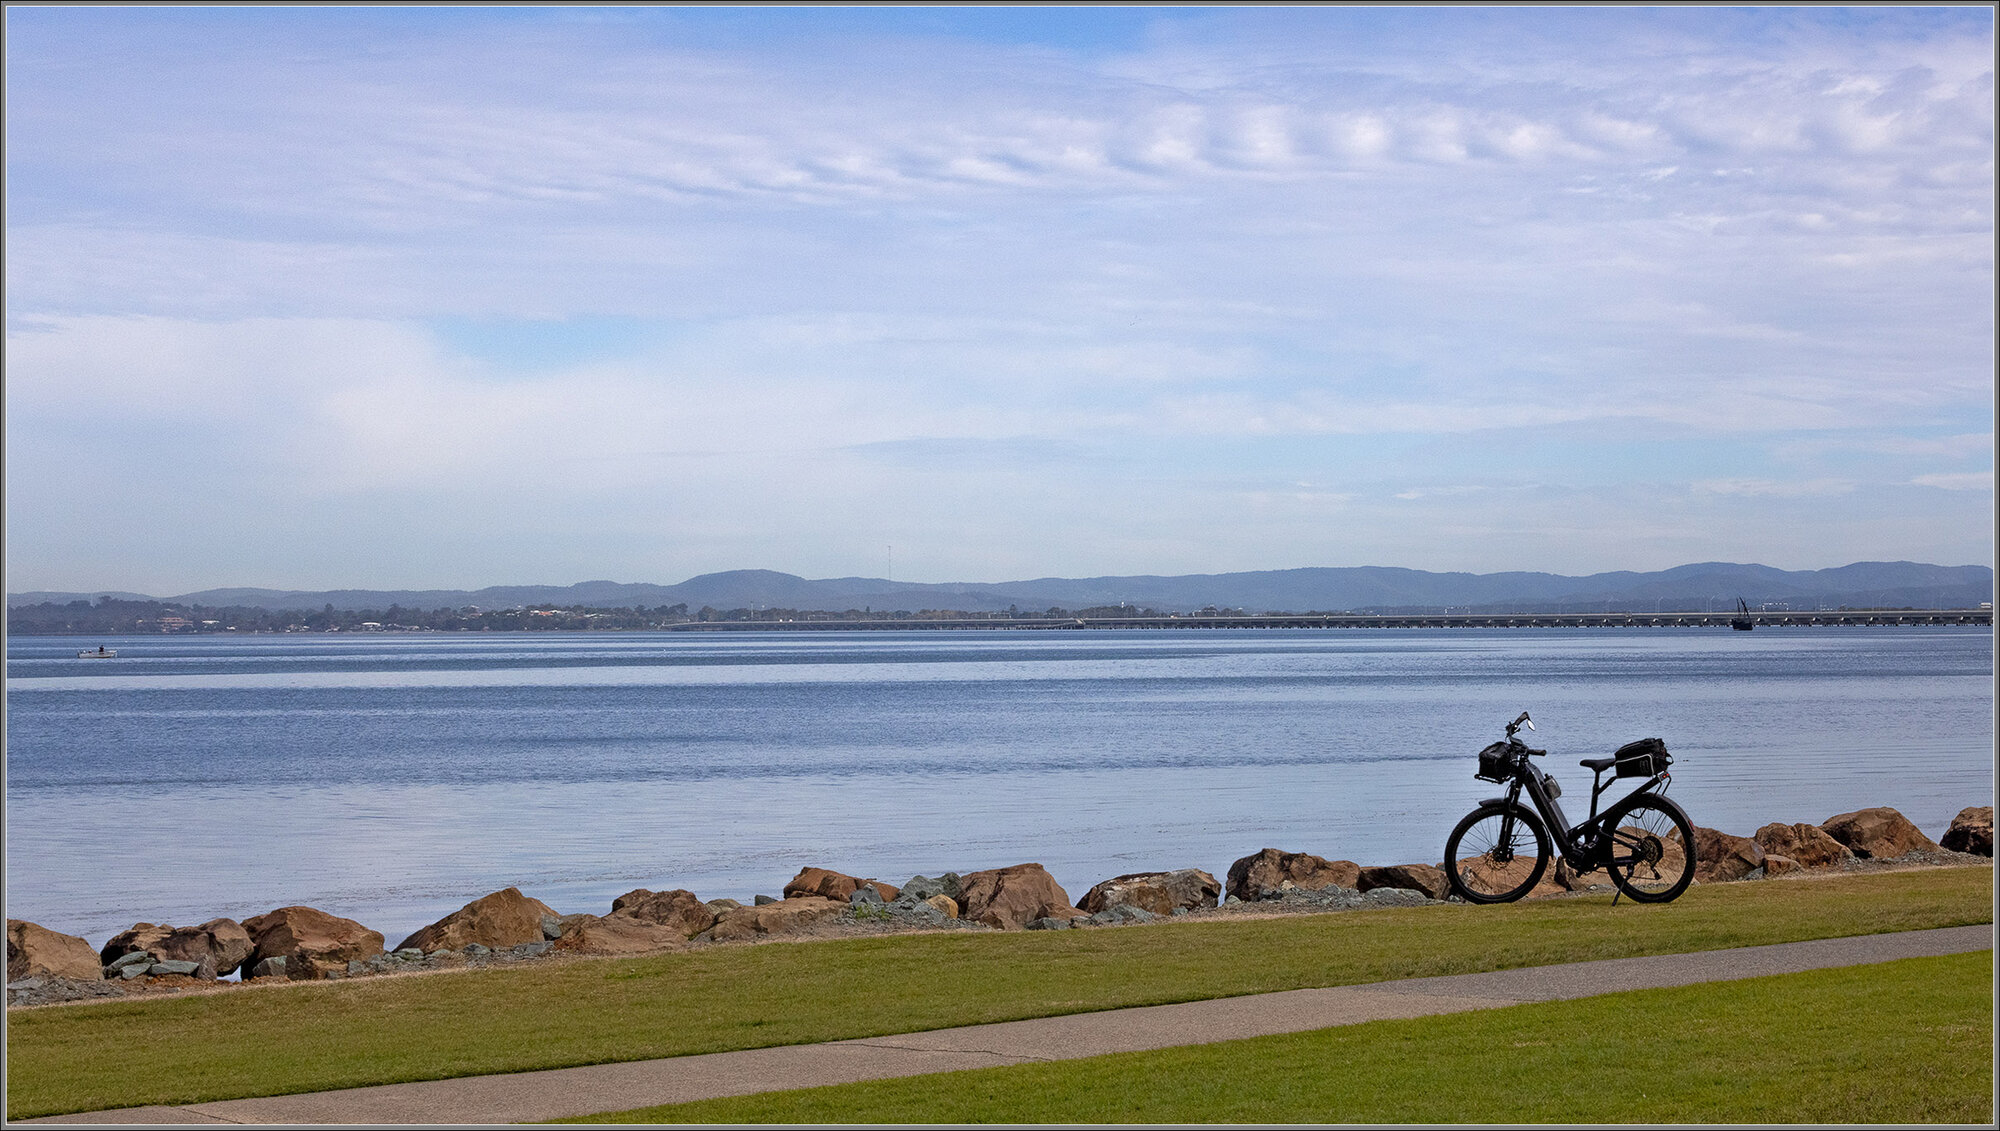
1741, 622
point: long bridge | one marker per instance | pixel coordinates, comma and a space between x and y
1882, 617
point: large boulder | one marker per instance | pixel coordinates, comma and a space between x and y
784, 917
1410, 877
1158, 892
312, 942
1806, 845
683, 911
1011, 898
618, 934
1880, 833
33, 950
1971, 831
501, 920
833, 885
1264, 873
1720, 857
216, 947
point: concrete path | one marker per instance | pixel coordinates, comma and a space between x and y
530, 1096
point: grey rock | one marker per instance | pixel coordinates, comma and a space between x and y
551, 926
412, 954
131, 972
866, 893
175, 967
136, 958
1394, 897
357, 966
764, 899
270, 968
477, 950
1180, 910
920, 888
1046, 923
533, 949
1230, 900
915, 911
1122, 913
34, 982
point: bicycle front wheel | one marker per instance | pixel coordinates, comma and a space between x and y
1652, 856
1497, 854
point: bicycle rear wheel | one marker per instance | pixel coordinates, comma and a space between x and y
1652, 856
1497, 854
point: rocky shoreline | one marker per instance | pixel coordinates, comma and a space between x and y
292, 944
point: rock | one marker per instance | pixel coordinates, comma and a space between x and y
1259, 876
311, 941
1807, 846
832, 885
914, 910
866, 894
720, 905
682, 910
620, 933
1046, 923
477, 950
407, 954
34, 950
269, 968
1010, 898
761, 900
137, 970
1395, 896
1971, 831
1720, 857
924, 887
784, 917
219, 944
1775, 865
1161, 893
497, 921
1122, 913
532, 949
944, 903
1878, 834
552, 928
1410, 877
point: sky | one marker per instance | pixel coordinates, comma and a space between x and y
452, 297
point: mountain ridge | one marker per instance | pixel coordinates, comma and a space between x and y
1303, 589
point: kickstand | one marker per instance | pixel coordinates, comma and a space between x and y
1616, 891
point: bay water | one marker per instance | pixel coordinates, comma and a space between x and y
392, 778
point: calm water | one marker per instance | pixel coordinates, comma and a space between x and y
391, 779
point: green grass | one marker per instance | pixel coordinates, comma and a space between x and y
311, 1037
1898, 1042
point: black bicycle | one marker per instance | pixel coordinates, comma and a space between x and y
1500, 851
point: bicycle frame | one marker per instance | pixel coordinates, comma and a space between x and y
1584, 847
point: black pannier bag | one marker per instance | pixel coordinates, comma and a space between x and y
1494, 763
1642, 759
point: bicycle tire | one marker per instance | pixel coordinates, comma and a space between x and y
1651, 856
1493, 871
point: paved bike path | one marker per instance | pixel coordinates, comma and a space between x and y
561, 1092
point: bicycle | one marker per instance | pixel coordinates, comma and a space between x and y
1645, 842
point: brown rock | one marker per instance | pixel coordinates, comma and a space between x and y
219, 945
833, 885
312, 942
1878, 834
1158, 892
33, 949
503, 919
785, 917
1258, 876
1720, 857
1011, 898
946, 904
1775, 865
618, 934
684, 911
1412, 877
1971, 831
1806, 845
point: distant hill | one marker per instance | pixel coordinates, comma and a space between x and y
1323, 589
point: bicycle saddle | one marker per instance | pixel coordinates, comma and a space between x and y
1599, 765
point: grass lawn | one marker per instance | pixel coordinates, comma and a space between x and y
1899, 1042
259, 1041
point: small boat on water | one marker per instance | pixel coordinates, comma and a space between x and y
102, 653
1741, 622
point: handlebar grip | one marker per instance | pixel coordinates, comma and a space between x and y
1536, 753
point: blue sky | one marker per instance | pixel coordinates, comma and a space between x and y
454, 297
